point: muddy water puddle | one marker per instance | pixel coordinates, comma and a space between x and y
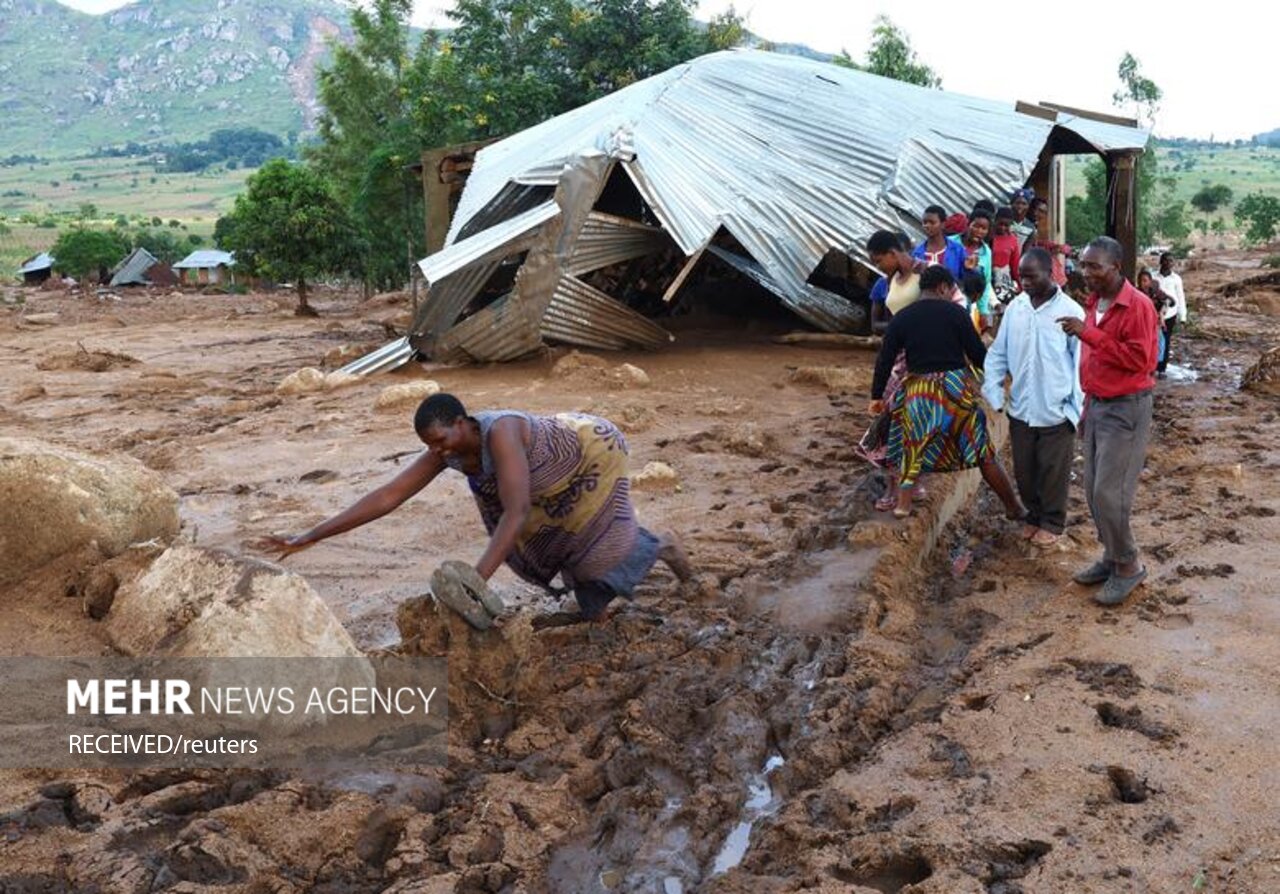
760, 803
822, 594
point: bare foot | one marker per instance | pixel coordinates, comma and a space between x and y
1044, 538
671, 551
1029, 532
903, 509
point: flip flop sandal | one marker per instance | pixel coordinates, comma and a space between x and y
479, 588
459, 587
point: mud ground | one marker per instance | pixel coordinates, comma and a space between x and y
799, 719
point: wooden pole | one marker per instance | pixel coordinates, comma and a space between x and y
1122, 207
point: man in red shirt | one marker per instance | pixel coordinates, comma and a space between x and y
1118, 355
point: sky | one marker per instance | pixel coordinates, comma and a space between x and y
1216, 66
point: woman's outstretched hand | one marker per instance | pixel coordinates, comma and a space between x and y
283, 547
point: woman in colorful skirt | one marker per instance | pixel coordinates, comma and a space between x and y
936, 420
902, 280
552, 491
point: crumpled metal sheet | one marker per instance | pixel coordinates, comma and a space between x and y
446, 301
511, 327
583, 315
500, 331
515, 200
457, 273
133, 269
606, 240
496, 240
390, 356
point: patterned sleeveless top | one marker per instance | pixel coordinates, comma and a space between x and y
581, 522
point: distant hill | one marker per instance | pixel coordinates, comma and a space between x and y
158, 70
1270, 138
166, 71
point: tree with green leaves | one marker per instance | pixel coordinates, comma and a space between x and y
1137, 90
162, 244
505, 66
85, 253
1211, 198
891, 56
1260, 215
1157, 211
288, 225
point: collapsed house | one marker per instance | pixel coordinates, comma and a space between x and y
36, 269
774, 167
207, 266
142, 268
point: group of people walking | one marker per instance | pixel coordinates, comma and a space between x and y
1067, 370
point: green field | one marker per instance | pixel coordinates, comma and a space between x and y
1244, 170
129, 187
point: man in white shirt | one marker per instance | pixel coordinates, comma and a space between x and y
1045, 398
1171, 284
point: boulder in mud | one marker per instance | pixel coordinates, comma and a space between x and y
344, 354
57, 500
742, 439
302, 381
309, 379
577, 365
835, 379
1267, 305
405, 394
577, 362
655, 476
628, 376
1264, 376
195, 602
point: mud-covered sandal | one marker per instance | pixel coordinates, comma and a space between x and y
460, 587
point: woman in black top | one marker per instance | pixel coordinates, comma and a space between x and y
937, 423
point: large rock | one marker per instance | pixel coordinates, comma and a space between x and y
57, 500
194, 602
406, 393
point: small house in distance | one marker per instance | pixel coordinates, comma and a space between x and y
37, 269
206, 266
141, 268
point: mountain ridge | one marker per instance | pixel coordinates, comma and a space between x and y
158, 70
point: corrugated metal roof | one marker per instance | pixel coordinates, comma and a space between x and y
792, 157
606, 240
132, 269
496, 240
801, 156
42, 261
499, 332
446, 300
580, 314
388, 357
206, 257
516, 199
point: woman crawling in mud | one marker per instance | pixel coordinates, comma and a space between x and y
552, 491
